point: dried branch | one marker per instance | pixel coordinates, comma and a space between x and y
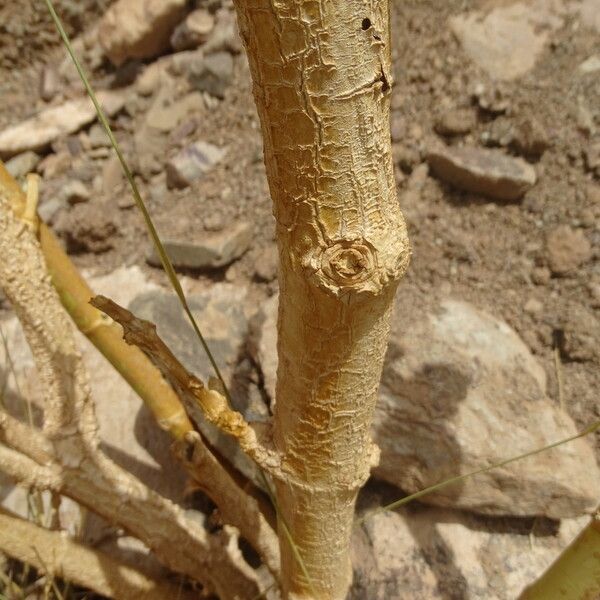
148, 382
62, 557
75, 295
240, 507
189, 388
77, 467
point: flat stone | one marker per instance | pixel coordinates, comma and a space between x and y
482, 171
213, 74
49, 83
193, 31
167, 111
567, 249
112, 175
49, 210
139, 28
507, 40
97, 137
150, 148
192, 163
75, 191
212, 252
56, 122
151, 77
22, 164
456, 122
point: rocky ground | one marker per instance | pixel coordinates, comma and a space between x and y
496, 337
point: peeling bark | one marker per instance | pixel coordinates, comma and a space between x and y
322, 77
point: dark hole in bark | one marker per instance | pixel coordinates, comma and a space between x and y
250, 555
385, 83
366, 23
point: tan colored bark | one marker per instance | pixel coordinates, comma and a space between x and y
237, 500
75, 295
55, 554
238, 506
322, 78
65, 457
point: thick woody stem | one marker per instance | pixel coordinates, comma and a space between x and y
322, 78
62, 557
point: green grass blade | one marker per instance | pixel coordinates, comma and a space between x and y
166, 262
443, 484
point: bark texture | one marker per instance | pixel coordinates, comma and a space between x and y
57, 555
65, 456
322, 80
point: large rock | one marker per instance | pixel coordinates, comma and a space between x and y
427, 553
460, 391
481, 171
191, 163
56, 122
507, 40
139, 28
220, 315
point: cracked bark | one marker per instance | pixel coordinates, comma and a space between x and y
322, 77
